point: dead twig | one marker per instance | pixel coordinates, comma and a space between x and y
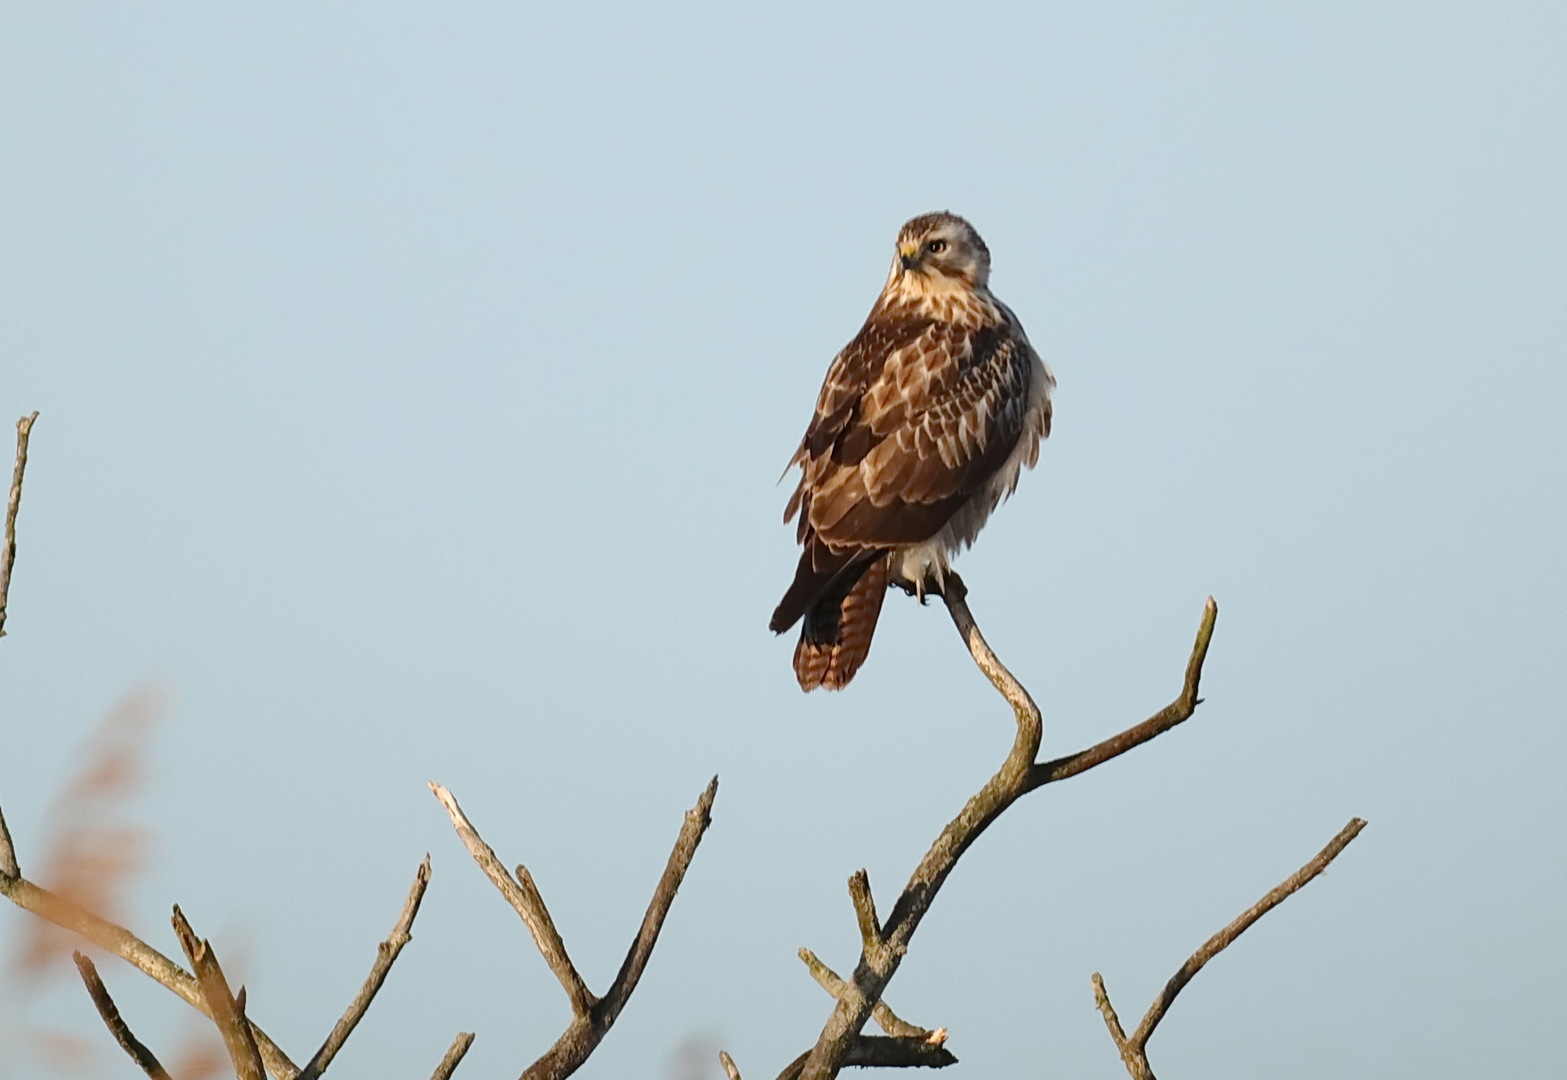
592, 1016
24, 429
1134, 1049
386, 955
116, 1024
454, 1056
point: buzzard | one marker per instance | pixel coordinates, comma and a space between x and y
921, 428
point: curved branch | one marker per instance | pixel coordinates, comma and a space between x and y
1177, 711
1018, 775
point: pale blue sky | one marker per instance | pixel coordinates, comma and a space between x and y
414, 382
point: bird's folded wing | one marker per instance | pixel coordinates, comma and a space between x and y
939, 416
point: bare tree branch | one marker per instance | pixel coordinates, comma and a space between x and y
524, 897
227, 1011
116, 1024
1134, 1050
588, 1026
24, 429
454, 1056
386, 955
1019, 774
122, 943
885, 1018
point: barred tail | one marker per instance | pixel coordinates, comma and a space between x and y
836, 635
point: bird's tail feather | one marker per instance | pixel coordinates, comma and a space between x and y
836, 636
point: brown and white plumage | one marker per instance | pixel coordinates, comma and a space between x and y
921, 428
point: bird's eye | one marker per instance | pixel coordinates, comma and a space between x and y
936, 247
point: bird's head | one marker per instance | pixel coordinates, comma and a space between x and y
939, 253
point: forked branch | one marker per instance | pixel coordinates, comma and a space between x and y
592, 1017
1134, 1049
1019, 774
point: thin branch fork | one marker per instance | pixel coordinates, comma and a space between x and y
1133, 1049
592, 1016
1018, 775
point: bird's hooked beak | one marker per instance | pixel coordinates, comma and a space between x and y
909, 257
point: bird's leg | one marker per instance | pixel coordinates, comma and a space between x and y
952, 586
936, 580
933, 583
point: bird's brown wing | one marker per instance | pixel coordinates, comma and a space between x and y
936, 417
914, 416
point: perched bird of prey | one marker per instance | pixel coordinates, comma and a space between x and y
921, 428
